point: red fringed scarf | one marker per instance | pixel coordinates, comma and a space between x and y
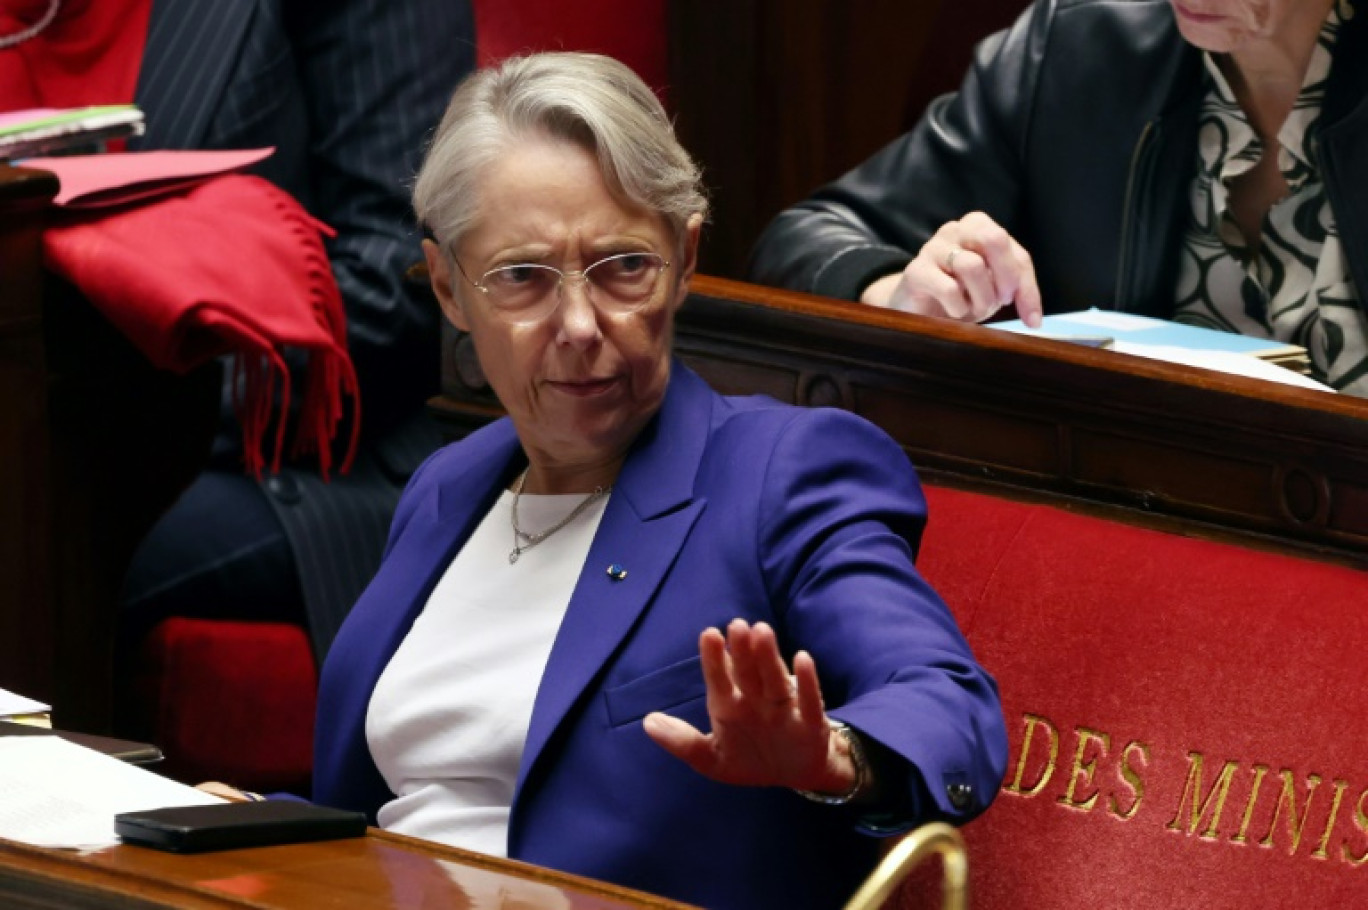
233, 265
90, 53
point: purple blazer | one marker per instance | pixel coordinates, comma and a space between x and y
808, 519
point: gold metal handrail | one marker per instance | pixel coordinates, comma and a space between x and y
937, 837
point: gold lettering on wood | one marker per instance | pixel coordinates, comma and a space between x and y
1034, 722
1220, 789
1322, 848
1083, 771
1288, 798
1132, 777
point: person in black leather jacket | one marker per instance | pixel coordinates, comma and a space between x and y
1075, 137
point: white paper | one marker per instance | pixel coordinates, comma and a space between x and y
1110, 320
54, 793
1223, 361
11, 704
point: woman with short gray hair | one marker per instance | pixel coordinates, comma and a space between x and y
594, 641
586, 100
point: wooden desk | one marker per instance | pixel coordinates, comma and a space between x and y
381, 870
94, 445
1152, 443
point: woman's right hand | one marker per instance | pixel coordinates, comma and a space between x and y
768, 728
968, 270
232, 794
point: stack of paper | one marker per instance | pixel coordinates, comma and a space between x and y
46, 131
1160, 339
20, 710
1224, 362
54, 793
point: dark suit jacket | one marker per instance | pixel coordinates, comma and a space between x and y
347, 91
806, 519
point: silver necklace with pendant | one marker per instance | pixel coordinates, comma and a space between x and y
525, 540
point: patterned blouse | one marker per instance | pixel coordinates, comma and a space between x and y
1297, 287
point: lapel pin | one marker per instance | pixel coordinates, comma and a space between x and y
616, 572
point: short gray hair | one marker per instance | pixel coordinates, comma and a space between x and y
587, 100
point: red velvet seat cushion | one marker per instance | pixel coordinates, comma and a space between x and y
231, 701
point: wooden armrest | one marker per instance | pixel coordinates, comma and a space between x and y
22, 187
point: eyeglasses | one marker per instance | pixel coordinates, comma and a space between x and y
528, 292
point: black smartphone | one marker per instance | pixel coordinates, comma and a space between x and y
227, 826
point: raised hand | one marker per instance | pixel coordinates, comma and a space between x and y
769, 727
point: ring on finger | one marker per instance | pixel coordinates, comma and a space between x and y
950, 260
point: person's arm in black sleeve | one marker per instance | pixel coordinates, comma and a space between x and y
964, 155
378, 75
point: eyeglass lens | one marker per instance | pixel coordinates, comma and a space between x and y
625, 280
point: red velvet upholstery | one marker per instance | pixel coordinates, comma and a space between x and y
231, 701
1137, 661
633, 31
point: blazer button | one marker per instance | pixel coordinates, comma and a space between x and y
961, 795
284, 488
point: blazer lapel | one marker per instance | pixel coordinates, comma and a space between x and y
647, 521
192, 47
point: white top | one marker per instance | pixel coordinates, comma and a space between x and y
449, 715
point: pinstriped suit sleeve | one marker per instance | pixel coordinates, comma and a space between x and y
377, 75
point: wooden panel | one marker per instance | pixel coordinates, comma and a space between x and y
1239, 454
125, 439
27, 630
1152, 469
776, 97
380, 870
1146, 441
934, 426
94, 444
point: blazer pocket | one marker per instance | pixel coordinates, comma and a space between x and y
660, 690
